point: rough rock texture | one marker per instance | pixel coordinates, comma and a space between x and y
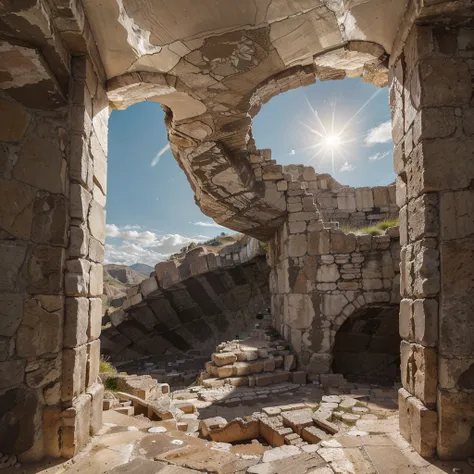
196, 305
212, 68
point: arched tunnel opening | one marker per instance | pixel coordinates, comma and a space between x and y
367, 346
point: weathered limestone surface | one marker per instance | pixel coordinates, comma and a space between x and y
212, 70
194, 305
430, 96
321, 276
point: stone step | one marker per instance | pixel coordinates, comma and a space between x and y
244, 368
125, 410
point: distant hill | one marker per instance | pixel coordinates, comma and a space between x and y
142, 269
124, 274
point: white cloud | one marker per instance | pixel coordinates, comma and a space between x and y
112, 230
379, 134
156, 160
379, 156
292, 152
347, 167
208, 224
125, 246
128, 227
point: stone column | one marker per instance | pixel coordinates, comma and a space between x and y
81, 394
52, 228
433, 132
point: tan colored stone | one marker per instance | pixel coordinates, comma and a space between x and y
74, 372
93, 361
16, 208
76, 322
96, 221
41, 329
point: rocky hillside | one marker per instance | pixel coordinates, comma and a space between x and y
124, 274
142, 269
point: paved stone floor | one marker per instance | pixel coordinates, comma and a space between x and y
136, 445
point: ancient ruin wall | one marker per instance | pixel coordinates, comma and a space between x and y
52, 182
353, 207
196, 305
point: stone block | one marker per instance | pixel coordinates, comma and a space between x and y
299, 310
297, 245
96, 392
45, 312
446, 164
298, 419
419, 371
327, 273
76, 322
423, 427
79, 202
11, 313
364, 199
426, 270
456, 419
342, 243
298, 377
15, 127
51, 219
456, 214
314, 435
319, 243
44, 371
52, 424
406, 320
96, 280
12, 372
16, 220
96, 221
404, 413
95, 319
425, 321
74, 372
423, 217
455, 373
76, 426
78, 241
444, 82
323, 423
224, 358
456, 325
45, 270
93, 362
40, 162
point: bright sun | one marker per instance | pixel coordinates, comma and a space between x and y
332, 141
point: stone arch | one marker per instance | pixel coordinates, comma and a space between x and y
365, 345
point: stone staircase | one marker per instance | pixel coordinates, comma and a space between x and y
261, 359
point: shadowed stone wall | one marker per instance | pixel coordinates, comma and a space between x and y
212, 72
52, 229
320, 275
432, 119
196, 305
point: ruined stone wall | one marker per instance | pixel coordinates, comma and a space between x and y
432, 119
320, 278
196, 305
52, 230
354, 207
319, 275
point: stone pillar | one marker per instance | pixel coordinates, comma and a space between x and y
52, 227
81, 395
433, 132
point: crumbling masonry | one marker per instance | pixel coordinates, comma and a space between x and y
212, 65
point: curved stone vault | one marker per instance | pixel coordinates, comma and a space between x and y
212, 64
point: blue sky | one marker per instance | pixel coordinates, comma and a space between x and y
150, 209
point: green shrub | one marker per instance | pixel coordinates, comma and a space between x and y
111, 384
105, 367
377, 229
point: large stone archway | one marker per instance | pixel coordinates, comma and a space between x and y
212, 72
